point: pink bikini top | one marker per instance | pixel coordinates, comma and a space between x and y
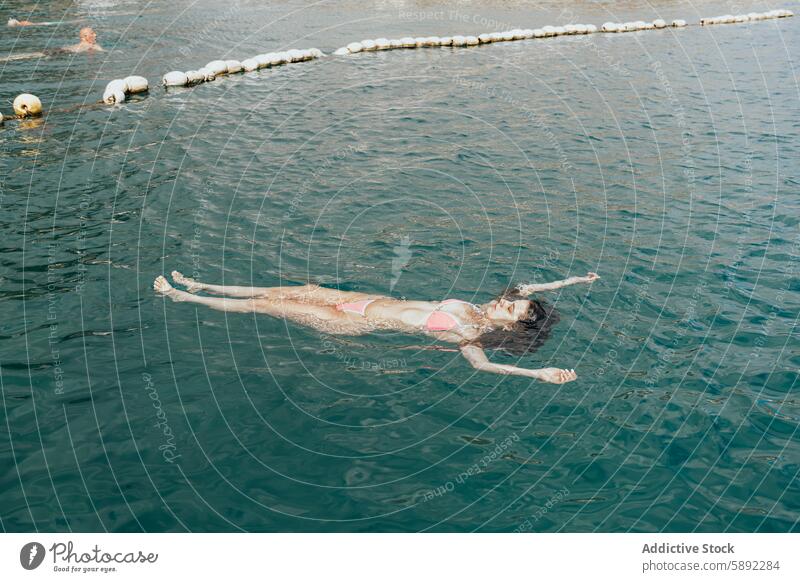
437, 321
443, 321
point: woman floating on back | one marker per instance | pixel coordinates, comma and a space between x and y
511, 322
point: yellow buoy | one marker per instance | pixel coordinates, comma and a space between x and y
27, 105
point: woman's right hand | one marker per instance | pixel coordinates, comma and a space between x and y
556, 375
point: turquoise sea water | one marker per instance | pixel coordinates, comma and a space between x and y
664, 160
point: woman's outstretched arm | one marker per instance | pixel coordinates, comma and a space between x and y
477, 357
534, 287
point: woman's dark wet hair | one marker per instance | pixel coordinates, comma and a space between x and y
526, 335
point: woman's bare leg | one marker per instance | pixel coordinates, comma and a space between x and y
162, 286
193, 286
309, 293
305, 313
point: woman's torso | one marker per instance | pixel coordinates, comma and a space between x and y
448, 319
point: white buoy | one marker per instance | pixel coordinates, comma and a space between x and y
506, 36
382, 44
195, 77
217, 67
262, 60
341, 51
610, 27
208, 74
570, 29
369, 45
136, 84
114, 92
658, 23
355, 47
678, 23
250, 65
560, 30
295, 55
408, 42
591, 28
472, 41
234, 66
459, 41
117, 85
27, 105
175, 79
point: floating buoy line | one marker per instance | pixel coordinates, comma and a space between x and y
217, 68
118, 90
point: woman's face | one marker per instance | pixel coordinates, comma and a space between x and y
505, 311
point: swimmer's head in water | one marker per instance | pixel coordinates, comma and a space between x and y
522, 325
88, 35
507, 311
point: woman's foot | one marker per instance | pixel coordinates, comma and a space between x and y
191, 285
162, 287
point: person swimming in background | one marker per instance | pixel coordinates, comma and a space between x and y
15, 22
87, 43
512, 322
